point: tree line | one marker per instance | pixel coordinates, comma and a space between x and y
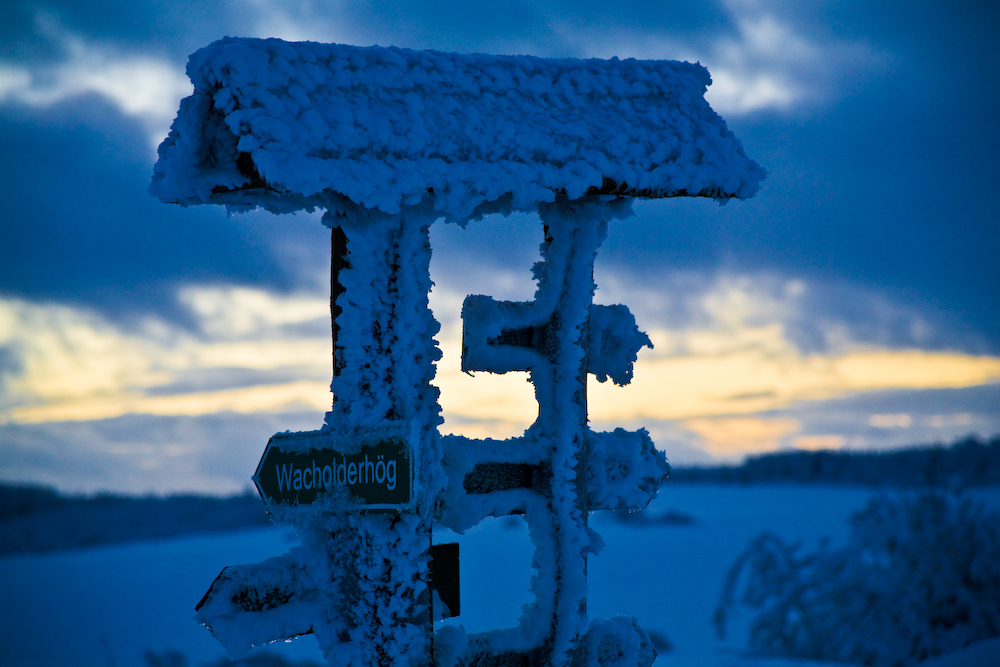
967, 462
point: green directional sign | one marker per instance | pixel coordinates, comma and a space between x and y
299, 468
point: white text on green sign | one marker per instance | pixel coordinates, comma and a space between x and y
378, 474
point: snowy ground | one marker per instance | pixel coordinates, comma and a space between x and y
107, 606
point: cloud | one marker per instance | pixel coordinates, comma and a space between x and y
699, 310
743, 344
79, 226
782, 63
733, 93
278, 397
73, 364
758, 58
251, 349
725, 378
780, 59
819, 442
892, 418
896, 420
723, 349
236, 312
749, 72
214, 453
762, 56
301, 20
748, 380
858, 421
757, 69
738, 435
143, 87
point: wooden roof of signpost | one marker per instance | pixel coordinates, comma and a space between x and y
295, 125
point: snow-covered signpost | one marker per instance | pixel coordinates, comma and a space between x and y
387, 141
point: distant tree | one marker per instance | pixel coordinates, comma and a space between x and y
967, 462
918, 577
20, 499
171, 658
35, 519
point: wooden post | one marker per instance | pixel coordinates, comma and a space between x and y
338, 262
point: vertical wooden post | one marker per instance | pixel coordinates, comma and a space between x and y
338, 261
573, 233
384, 350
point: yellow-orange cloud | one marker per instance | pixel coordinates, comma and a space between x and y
303, 395
749, 381
73, 364
738, 435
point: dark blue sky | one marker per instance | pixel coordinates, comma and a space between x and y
882, 177
877, 126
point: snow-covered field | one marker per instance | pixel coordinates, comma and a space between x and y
109, 605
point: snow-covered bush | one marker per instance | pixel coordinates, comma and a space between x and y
918, 577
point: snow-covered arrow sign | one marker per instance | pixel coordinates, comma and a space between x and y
303, 468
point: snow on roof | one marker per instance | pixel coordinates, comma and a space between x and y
291, 125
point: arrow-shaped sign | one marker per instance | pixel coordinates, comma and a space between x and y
375, 468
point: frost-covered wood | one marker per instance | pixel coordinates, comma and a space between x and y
387, 141
288, 125
359, 581
553, 473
